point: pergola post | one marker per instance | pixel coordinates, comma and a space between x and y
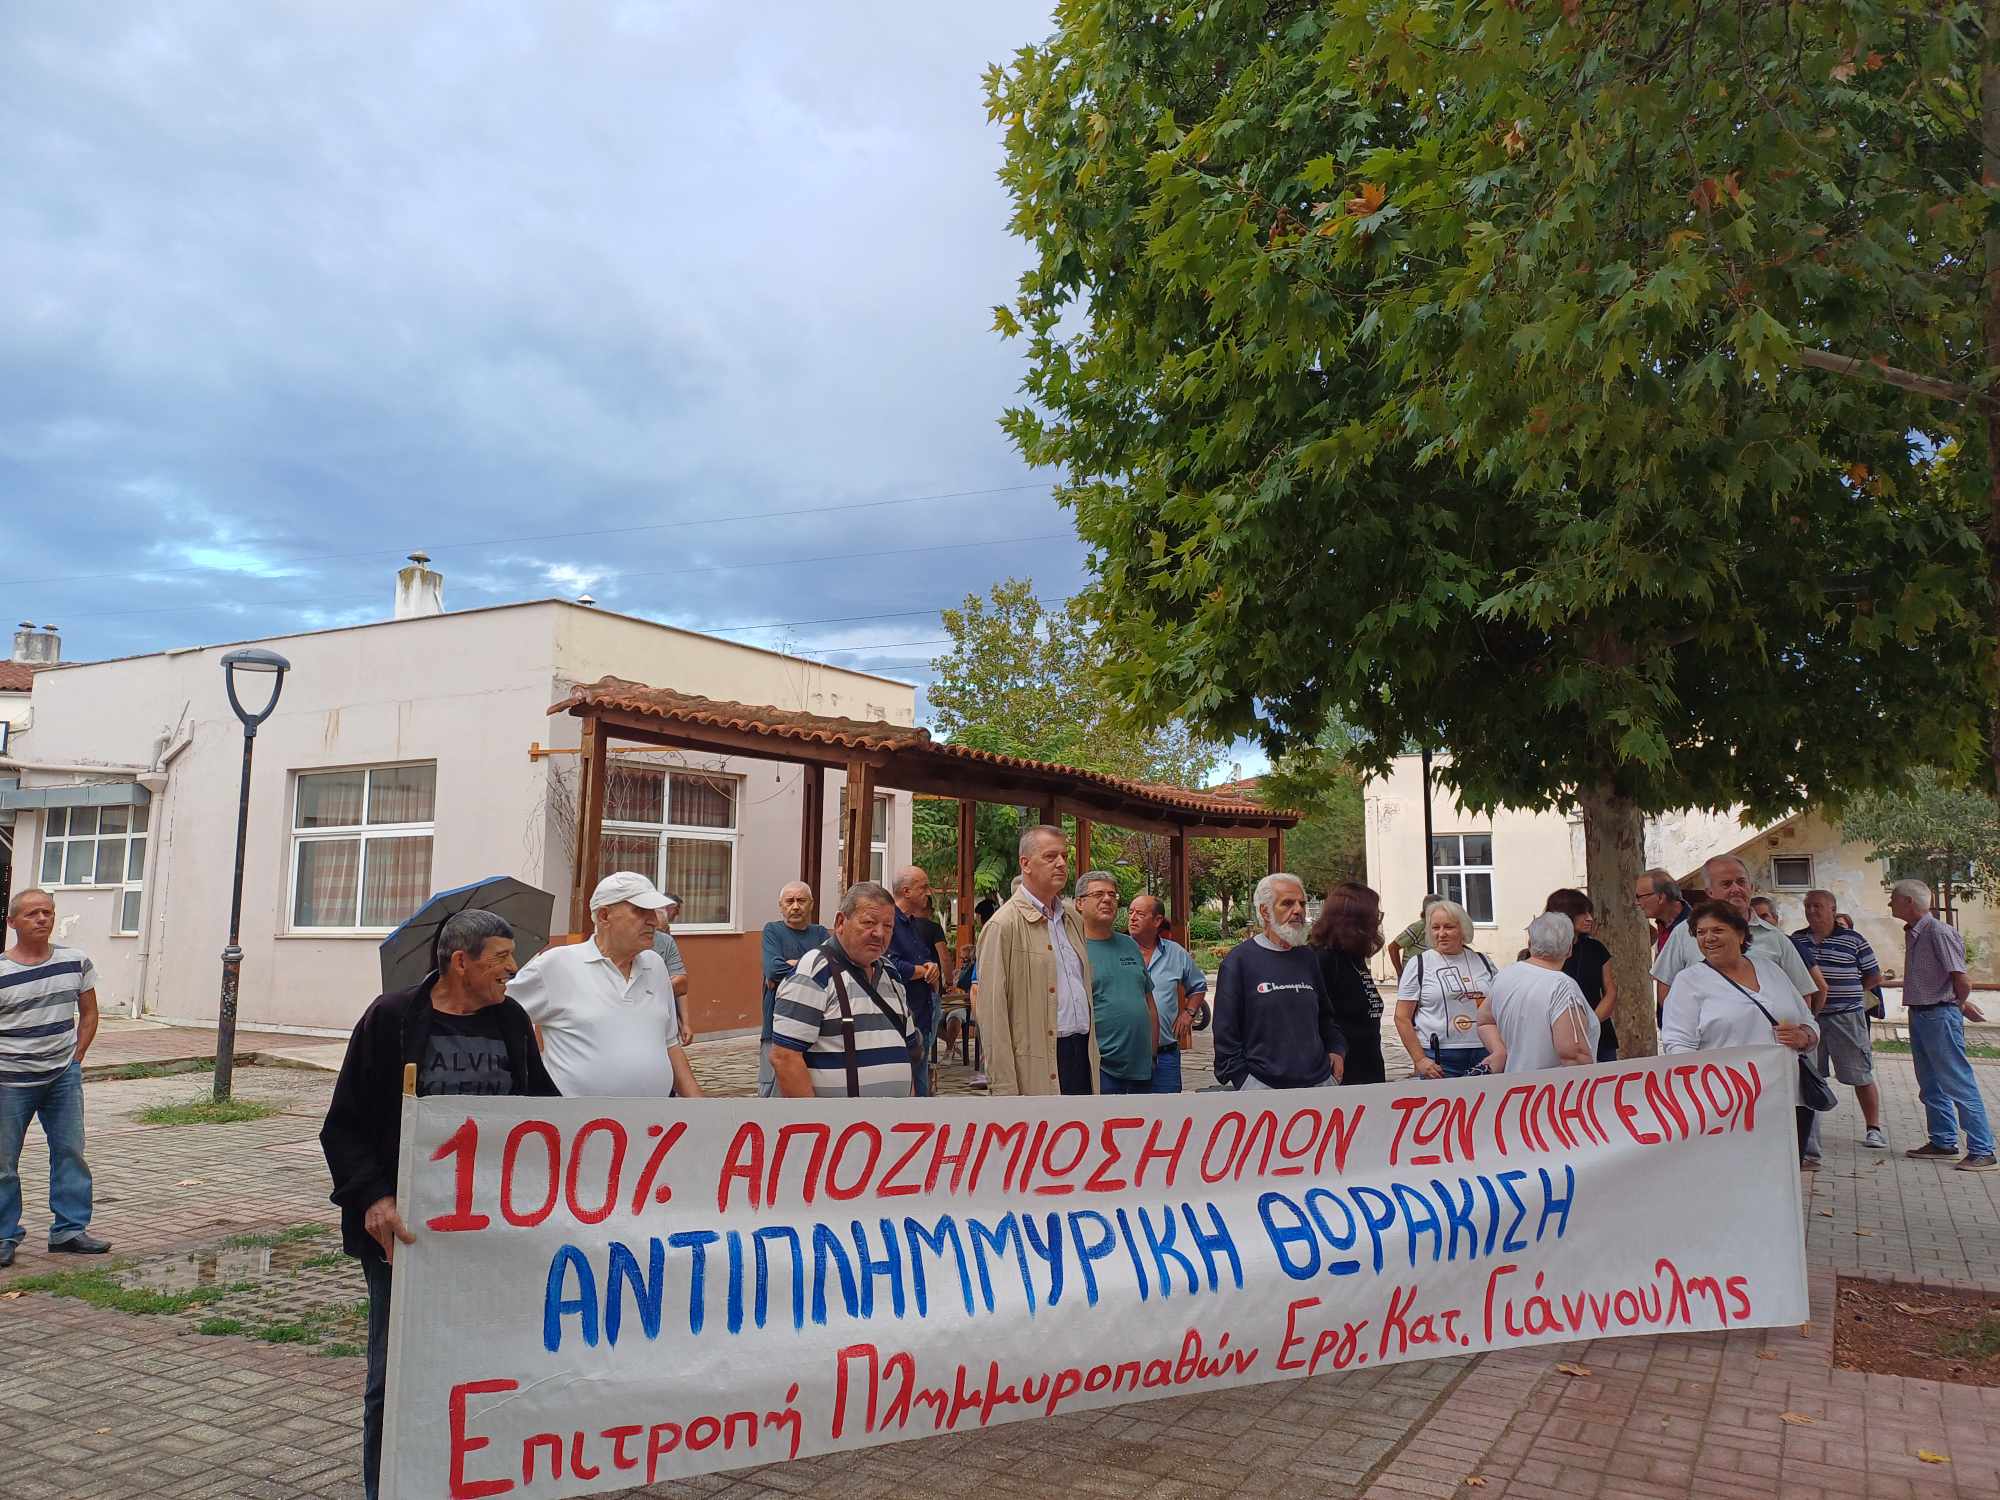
1275, 849
1082, 845
812, 830
1177, 862
589, 825
858, 830
968, 867
1051, 815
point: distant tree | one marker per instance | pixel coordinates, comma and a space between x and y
1929, 829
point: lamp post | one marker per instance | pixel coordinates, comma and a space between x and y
252, 662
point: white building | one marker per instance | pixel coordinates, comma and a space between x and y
402, 759
1503, 865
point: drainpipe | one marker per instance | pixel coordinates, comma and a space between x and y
155, 783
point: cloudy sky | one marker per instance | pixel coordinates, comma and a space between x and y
684, 305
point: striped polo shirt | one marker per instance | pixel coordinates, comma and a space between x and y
1844, 957
38, 1007
807, 1019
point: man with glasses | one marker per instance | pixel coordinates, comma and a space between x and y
1659, 901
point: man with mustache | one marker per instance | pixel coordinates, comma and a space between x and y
1274, 1027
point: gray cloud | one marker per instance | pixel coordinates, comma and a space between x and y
292, 297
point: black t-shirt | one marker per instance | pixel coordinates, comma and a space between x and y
1357, 1010
466, 1055
1586, 965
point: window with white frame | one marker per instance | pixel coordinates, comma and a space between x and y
878, 840
1792, 872
678, 829
98, 846
1464, 869
361, 846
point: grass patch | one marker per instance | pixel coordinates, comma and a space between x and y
206, 1112
126, 1071
341, 1351
291, 1236
1972, 1049
219, 1326
326, 1260
288, 1333
100, 1287
1980, 1341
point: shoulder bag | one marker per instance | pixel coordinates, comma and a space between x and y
1815, 1093
912, 1045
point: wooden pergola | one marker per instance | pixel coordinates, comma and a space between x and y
874, 756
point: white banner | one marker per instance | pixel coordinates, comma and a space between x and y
610, 1293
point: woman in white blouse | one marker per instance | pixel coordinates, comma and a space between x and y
1537, 1017
1438, 997
1715, 1003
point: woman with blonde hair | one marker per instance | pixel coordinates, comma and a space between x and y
1439, 995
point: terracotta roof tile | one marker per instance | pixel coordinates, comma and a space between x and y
619, 695
16, 677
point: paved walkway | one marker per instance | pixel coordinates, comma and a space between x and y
102, 1403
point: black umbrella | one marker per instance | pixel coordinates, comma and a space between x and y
409, 953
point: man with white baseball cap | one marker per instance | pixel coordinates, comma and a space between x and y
604, 1007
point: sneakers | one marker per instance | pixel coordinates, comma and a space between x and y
82, 1244
6, 1254
976, 1081
1928, 1152
1979, 1164
1808, 1163
1875, 1140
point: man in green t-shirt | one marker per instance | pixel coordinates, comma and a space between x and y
1121, 992
1413, 939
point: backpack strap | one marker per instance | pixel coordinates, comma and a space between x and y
839, 982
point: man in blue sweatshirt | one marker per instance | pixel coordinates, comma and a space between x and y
1274, 1027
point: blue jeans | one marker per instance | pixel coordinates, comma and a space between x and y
1167, 1072
1106, 1084
1457, 1062
1945, 1080
920, 1077
59, 1103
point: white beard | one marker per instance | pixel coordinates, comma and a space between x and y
1293, 936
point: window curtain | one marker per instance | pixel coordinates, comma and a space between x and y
328, 872
396, 881
330, 800
700, 872
402, 794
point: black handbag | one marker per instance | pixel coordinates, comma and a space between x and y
1815, 1093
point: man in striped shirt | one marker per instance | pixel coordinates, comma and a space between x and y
1845, 960
48, 1018
841, 1027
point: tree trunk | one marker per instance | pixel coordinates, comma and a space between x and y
1613, 856
1989, 135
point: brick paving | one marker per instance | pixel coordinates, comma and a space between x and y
97, 1403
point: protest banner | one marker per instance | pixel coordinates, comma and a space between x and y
610, 1293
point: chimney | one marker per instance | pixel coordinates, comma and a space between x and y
419, 590
41, 648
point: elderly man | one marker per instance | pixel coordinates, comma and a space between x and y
669, 950
1033, 1000
917, 955
1844, 959
1767, 909
842, 1026
1178, 986
466, 1037
48, 1019
604, 1008
1937, 995
1659, 901
785, 943
1274, 1027
1121, 991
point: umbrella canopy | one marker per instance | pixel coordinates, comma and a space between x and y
407, 954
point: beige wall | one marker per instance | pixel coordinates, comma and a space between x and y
469, 691
1533, 854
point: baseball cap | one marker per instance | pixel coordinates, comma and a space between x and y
626, 885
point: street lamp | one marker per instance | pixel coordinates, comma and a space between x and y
253, 663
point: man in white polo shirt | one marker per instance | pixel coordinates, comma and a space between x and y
604, 1007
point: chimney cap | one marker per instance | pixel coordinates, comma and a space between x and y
586, 600
420, 557
27, 625
51, 627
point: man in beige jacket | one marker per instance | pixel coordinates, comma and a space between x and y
1033, 997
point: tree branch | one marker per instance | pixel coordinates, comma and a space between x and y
1847, 364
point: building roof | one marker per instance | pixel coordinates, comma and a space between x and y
908, 755
16, 676
480, 609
